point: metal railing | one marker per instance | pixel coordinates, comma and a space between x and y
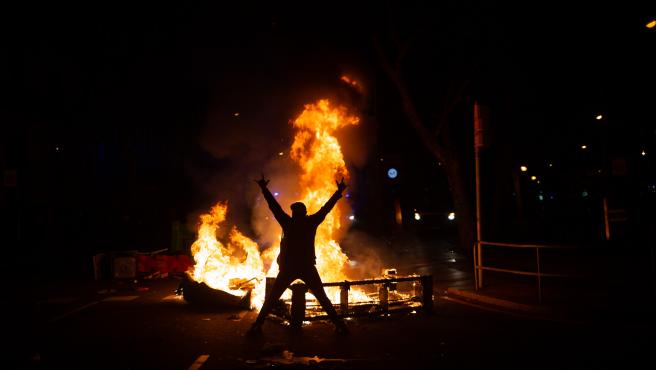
479, 267
423, 288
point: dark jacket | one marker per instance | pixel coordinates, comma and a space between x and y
298, 233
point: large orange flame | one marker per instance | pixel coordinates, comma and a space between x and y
320, 157
219, 266
317, 152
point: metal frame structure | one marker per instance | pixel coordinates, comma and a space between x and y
423, 288
538, 272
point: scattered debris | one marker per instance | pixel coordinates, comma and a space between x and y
288, 358
202, 295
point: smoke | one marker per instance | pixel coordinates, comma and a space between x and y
241, 144
368, 255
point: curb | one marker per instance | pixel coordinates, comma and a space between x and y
481, 298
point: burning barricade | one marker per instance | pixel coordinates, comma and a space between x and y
236, 266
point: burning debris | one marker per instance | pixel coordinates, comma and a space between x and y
201, 295
236, 266
385, 299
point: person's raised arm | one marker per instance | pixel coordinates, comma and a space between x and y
323, 212
274, 206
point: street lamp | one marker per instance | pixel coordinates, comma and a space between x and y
599, 117
523, 168
651, 24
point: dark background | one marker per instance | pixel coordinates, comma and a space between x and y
118, 121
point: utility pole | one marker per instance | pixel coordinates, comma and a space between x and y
479, 142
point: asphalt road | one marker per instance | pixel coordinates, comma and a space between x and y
143, 325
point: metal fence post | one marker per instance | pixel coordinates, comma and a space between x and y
479, 263
537, 256
298, 305
343, 297
383, 297
416, 288
474, 253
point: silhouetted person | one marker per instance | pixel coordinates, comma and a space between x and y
297, 259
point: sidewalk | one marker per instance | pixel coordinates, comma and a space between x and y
623, 299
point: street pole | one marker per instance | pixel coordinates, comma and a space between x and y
478, 143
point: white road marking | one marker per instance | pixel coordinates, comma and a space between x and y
199, 362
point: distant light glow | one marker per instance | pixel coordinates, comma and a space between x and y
584, 194
417, 216
643, 153
584, 146
651, 24
599, 117
392, 173
550, 164
236, 114
281, 153
451, 216
534, 178
276, 194
351, 217
523, 168
541, 197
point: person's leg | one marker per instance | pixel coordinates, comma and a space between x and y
313, 281
282, 282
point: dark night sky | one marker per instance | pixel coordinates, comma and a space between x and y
143, 98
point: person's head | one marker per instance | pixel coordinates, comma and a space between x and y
298, 209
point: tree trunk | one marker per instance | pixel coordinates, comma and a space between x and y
443, 153
463, 205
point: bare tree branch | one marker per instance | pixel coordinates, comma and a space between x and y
409, 107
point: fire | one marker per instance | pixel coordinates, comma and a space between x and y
220, 266
318, 153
